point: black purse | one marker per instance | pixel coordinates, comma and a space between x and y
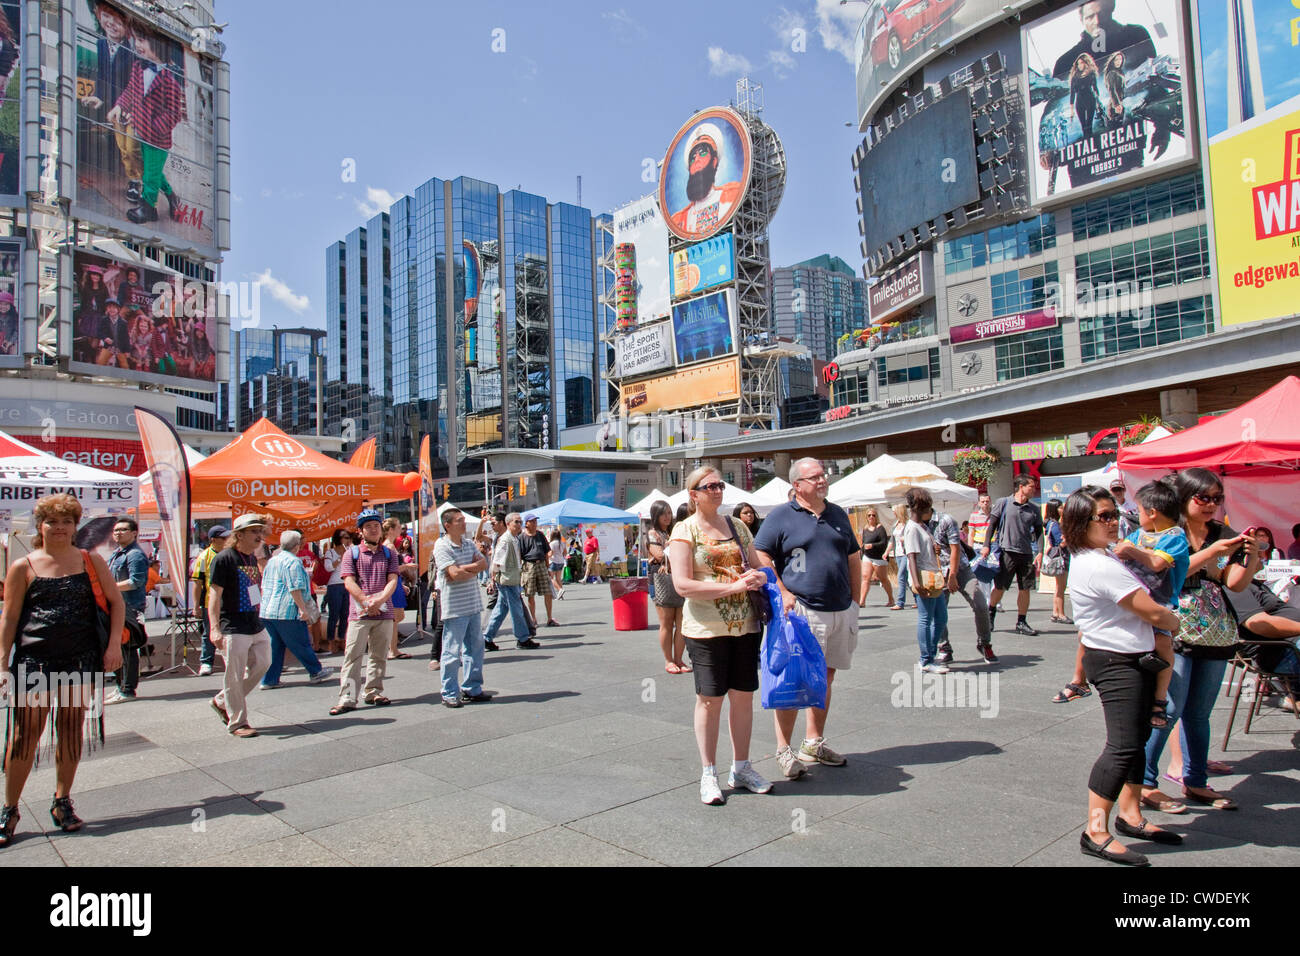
757, 599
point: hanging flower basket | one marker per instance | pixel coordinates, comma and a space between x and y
975, 466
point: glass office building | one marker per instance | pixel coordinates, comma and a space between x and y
487, 301
275, 376
816, 301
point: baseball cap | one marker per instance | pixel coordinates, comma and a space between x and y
1117, 483
530, 516
244, 522
220, 531
370, 514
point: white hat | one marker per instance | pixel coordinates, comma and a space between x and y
244, 522
706, 131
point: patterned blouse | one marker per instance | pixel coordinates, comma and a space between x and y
717, 562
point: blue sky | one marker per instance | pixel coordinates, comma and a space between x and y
412, 90
1279, 59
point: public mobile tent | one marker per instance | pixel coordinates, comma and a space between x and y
1255, 449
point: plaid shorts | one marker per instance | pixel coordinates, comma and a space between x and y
536, 579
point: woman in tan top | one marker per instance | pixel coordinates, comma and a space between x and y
722, 632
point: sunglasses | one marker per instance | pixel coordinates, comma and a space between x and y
711, 486
1209, 499
1106, 516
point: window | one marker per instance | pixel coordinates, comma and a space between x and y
1150, 203
1020, 290
1001, 244
1029, 353
1109, 335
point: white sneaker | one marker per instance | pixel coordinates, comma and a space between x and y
710, 792
748, 778
205, 670
935, 669
321, 676
119, 698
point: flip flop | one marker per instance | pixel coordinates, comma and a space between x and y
672, 668
341, 709
1176, 781
1217, 802
1163, 802
379, 700
1218, 767
399, 656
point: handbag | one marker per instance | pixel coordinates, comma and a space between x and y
102, 620
757, 599
1205, 619
1053, 562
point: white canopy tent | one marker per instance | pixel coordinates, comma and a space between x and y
885, 480
643, 506
775, 492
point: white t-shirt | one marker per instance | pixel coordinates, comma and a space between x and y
917, 540
334, 565
1098, 582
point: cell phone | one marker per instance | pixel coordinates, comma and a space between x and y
1249, 532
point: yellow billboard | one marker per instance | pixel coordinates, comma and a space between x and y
1255, 191
698, 385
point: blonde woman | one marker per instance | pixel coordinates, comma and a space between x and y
875, 544
899, 554
714, 567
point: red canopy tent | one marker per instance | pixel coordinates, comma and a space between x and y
1256, 450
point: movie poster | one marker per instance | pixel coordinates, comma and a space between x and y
1106, 94
146, 151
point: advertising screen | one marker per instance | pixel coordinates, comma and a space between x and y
11, 98
593, 487
645, 349
920, 170
705, 173
641, 225
705, 265
688, 388
704, 328
11, 326
142, 324
1253, 165
1106, 95
145, 130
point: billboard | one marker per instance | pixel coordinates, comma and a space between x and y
1002, 325
1107, 101
704, 328
11, 324
11, 98
640, 225
922, 169
646, 349
687, 388
705, 173
146, 151
704, 265
901, 288
142, 324
1252, 121
593, 487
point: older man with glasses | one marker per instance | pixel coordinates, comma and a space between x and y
814, 551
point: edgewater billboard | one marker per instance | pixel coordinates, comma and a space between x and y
705, 173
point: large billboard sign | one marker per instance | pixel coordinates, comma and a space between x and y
146, 152
705, 173
1107, 97
640, 225
687, 388
141, 324
11, 98
11, 322
648, 348
704, 265
902, 288
705, 328
1252, 121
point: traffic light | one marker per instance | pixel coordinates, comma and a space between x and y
510, 492
523, 486
446, 491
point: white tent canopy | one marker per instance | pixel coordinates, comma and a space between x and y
643, 506
885, 480
775, 492
28, 474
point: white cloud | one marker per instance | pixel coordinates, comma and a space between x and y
721, 63
838, 25
280, 292
266, 192
791, 38
623, 25
376, 201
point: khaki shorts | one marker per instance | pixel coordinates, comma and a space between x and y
836, 632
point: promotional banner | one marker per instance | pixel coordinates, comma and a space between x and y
11, 326
699, 385
705, 173
28, 474
141, 324
427, 524
146, 151
363, 456
170, 474
1250, 51
314, 525
11, 99
1002, 325
705, 265
1106, 94
646, 349
704, 328
640, 225
904, 287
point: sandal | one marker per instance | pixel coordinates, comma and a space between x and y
65, 819
379, 700
1159, 714
9, 817
1071, 692
672, 668
1060, 620
399, 656
341, 709
683, 669
1158, 800
1216, 801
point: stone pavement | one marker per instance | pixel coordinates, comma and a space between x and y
586, 756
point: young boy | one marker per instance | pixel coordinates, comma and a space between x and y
1158, 556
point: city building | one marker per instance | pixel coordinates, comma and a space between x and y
278, 371
818, 301
469, 314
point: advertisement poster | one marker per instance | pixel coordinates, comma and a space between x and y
688, 388
641, 225
140, 324
646, 349
11, 98
145, 133
704, 328
11, 327
1106, 94
1252, 113
593, 487
705, 265
705, 173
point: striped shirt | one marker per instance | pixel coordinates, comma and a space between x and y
456, 598
282, 575
371, 569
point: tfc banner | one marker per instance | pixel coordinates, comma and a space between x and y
364, 455
426, 527
170, 473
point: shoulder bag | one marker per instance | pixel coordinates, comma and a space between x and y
665, 593
757, 599
102, 620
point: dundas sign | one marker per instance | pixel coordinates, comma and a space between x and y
902, 288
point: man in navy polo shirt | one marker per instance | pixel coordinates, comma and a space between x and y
811, 546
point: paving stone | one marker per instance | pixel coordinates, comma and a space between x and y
345, 796
556, 846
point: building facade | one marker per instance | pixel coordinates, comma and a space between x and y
818, 301
278, 374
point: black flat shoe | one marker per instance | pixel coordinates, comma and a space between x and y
1130, 858
9, 817
64, 818
528, 645
491, 646
1143, 832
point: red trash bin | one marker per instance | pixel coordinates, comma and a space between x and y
631, 597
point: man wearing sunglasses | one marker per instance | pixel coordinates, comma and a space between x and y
234, 621
811, 546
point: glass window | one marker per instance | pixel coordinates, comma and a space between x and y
1029, 354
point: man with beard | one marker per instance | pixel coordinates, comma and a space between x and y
1102, 36
710, 203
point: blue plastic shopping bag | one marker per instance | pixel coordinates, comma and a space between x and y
792, 666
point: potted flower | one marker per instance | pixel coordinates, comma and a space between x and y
1137, 432
974, 466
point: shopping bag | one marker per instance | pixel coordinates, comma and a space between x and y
792, 666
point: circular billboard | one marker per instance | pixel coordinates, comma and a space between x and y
705, 173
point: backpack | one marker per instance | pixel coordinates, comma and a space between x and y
356, 553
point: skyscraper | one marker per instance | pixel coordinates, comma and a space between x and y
816, 301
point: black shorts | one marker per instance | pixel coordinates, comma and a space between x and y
1015, 567
721, 664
